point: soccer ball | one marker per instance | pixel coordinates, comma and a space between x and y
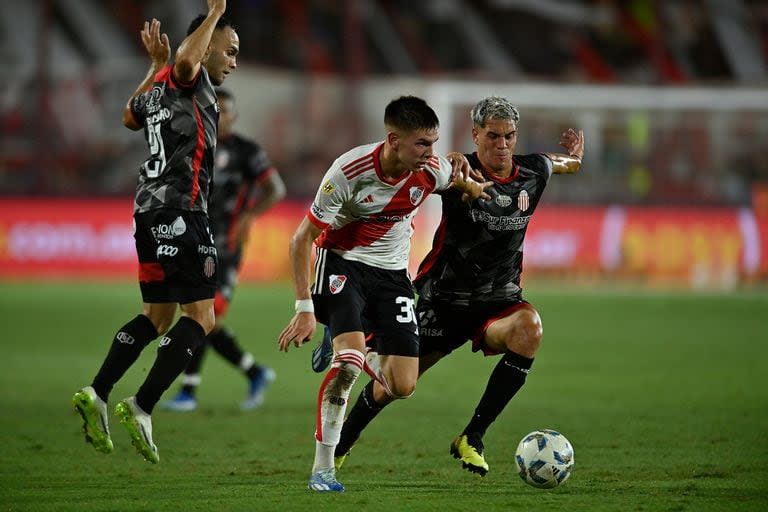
544, 458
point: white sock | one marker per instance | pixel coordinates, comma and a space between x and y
332, 404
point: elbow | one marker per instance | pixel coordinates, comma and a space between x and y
129, 121
184, 70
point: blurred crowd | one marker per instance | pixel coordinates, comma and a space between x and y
59, 107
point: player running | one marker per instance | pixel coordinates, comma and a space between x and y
469, 284
361, 218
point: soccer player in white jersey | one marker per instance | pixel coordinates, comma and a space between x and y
360, 221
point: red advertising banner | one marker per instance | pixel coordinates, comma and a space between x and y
84, 237
566, 237
63, 237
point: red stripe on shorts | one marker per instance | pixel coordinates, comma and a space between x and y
149, 272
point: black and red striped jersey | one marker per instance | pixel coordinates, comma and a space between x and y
180, 124
240, 165
477, 251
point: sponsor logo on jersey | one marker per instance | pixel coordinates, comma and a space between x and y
124, 337
328, 188
317, 211
500, 223
429, 331
153, 99
206, 249
209, 266
391, 218
503, 200
163, 114
165, 231
522, 201
336, 283
167, 250
416, 195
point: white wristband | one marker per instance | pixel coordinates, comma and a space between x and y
304, 306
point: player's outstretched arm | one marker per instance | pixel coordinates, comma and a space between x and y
159, 50
461, 178
302, 326
573, 142
192, 49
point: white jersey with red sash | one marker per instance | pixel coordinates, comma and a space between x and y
366, 217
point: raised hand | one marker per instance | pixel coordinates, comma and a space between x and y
157, 44
217, 6
573, 142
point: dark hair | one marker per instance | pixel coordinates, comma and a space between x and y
410, 113
224, 94
222, 23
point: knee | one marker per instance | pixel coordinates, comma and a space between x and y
403, 389
205, 318
526, 334
208, 321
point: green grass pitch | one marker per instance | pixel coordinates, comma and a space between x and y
663, 396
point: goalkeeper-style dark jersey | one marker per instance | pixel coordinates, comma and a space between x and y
240, 166
477, 251
180, 124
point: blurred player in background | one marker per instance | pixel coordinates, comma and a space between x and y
362, 214
176, 107
246, 186
469, 284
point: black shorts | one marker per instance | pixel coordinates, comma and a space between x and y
352, 296
444, 327
177, 257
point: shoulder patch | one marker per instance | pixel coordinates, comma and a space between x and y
328, 188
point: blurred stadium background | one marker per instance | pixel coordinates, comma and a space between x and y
659, 384
671, 95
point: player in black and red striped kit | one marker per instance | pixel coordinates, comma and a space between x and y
469, 284
176, 107
246, 185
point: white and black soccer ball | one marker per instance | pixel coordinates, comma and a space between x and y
544, 458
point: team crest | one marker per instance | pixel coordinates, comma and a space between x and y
416, 193
336, 283
503, 200
209, 267
522, 201
328, 188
